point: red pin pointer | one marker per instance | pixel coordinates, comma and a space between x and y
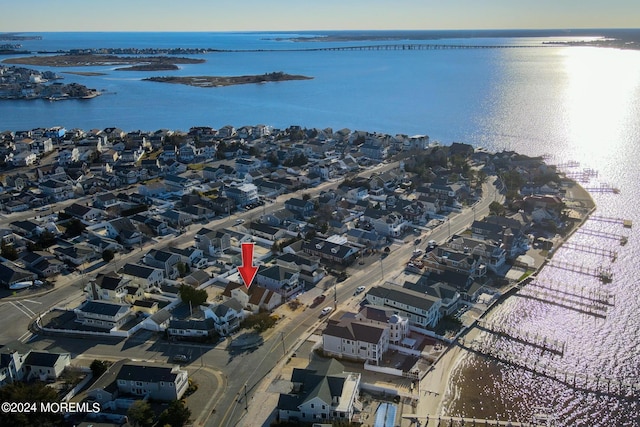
247, 270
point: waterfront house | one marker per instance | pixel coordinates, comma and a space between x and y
352, 339
397, 325
422, 310
321, 393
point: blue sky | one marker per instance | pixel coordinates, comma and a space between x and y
257, 15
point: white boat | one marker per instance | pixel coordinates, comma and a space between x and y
20, 285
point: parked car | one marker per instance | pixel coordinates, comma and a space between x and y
317, 300
326, 311
181, 358
360, 289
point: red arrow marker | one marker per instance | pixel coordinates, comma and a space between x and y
247, 270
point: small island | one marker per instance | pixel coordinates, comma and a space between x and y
217, 81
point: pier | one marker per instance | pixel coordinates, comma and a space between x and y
626, 223
524, 337
442, 421
603, 188
568, 164
593, 295
608, 253
584, 175
603, 273
597, 233
566, 300
577, 380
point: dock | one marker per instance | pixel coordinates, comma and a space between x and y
524, 337
603, 188
577, 380
603, 273
442, 421
593, 295
584, 175
597, 233
607, 253
626, 223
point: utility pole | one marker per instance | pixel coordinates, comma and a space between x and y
381, 268
284, 351
246, 402
335, 295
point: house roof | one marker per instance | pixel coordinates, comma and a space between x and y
404, 296
145, 373
160, 316
77, 210
39, 358
222, 309
110, 281
103, 308
355, 330
322, 381
276, 272
138, 270
193, 324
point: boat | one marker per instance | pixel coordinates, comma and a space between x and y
20, 285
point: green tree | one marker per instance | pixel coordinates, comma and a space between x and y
496, 208
192, 295
8, 251
74, 228
108, 255
140, 414
260, 322
98, 367
33, 393
176, 415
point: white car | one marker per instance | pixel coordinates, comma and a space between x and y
360, 289
326, 311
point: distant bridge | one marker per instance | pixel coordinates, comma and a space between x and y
404, 46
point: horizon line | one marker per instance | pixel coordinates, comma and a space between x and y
323, 30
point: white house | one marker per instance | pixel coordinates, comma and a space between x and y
322, 393
421, 309
227, 316
352, 339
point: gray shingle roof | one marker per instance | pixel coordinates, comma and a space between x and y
403, 296
153, 374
